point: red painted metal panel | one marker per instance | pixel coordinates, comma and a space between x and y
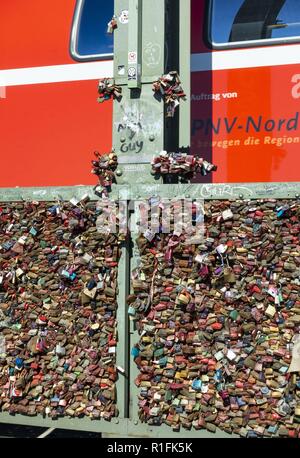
35, 33
254, 133
49, 132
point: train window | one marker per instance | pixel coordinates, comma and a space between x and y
238, 23
89, 37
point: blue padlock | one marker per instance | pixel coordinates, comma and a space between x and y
19, 363
131, 311
163, 361
135, 352
196, 385
218, 375
33, 231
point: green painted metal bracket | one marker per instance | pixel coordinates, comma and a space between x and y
122, 384
221, 191
231, 191
135, 44
52, 193
138, 118
116, 428
121, 8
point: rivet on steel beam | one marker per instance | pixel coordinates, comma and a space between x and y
241, 196
297, 196
117, 421
136, 422
122, 139
187, 196
151, 138
119, 173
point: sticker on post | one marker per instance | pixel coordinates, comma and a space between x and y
121, 70
132, 57
152, 54
123, 18
132, 73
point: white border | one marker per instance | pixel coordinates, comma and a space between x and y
246, 58
218, 60
56, 73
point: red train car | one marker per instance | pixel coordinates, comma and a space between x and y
246, 88
50, 118
245, 73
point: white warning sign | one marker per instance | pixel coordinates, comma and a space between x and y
132, 57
